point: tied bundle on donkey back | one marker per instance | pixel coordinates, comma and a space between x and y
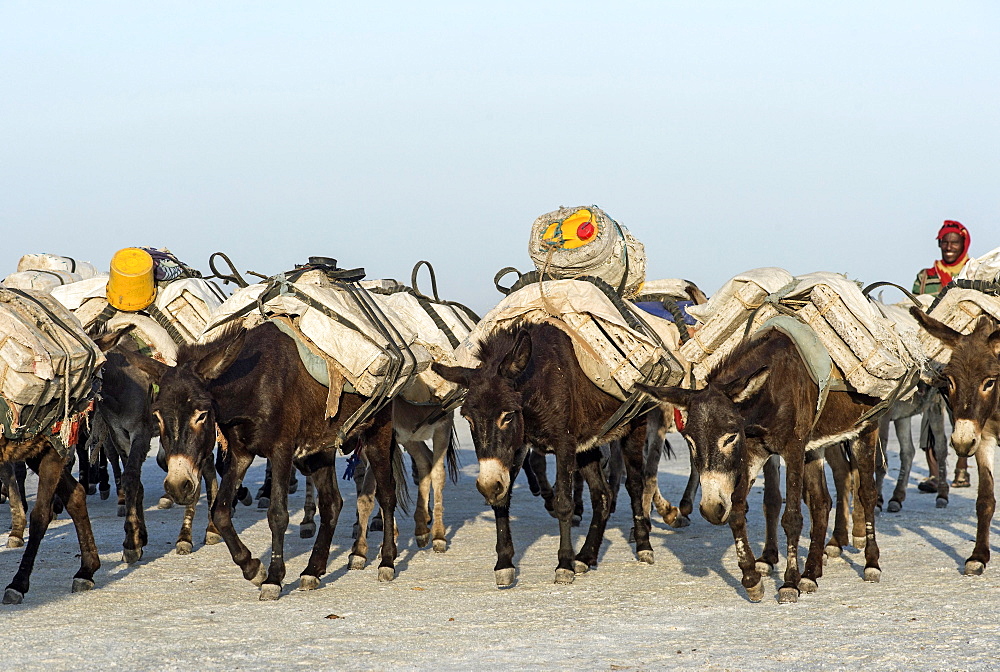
47, 368
876, 351
168, 302
346, 338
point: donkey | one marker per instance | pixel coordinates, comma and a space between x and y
972, 376
253, 385
530, 389
760, 401
12, 475
54, 480
123, 425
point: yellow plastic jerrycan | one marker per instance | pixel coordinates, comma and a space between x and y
131, 286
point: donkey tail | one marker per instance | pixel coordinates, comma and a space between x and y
399, 475
451, 456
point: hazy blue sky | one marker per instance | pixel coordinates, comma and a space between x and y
725, 135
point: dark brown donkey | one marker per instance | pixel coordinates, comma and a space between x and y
973, 375
53, 479
530, 389
758, 402
255, 387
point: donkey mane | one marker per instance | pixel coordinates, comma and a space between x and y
497, 344
193, 352
750, 355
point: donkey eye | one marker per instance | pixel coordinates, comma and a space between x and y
200, 417
988, 384
730, 438
504, 420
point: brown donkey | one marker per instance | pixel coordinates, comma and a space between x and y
973, 392
253, 385
760, 401
530, 389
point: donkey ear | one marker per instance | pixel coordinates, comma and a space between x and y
741, 389
109, 340
994, 343
147, 365
516, 361
935, 328
460, 375
212, 365
678, 396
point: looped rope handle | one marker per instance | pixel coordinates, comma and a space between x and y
500, 274
434, 285
233, 277
910, 295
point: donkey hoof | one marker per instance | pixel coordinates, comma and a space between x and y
14, 542
807, 586
756, 593
576, 520
105, 493
974, 568
580, 567
376, 524
11, 596
212, 538
92, 489
504, 577
440, 545
357, 562
121, 510
307, 530
270, 592
131, 555
308, 582
386, 574
565, 576
681, 521
873, 574
859, 542
941, 503
645, 556
184, 547
833, 551
423, 540
895, 506
764, 568
246, 499
82, 585
164, 503
258, 579
263, 502
787, 595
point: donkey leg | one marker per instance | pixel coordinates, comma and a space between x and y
841, 483
632, 453
985, 506
563, 506
616, 468
819, 503
751, 580
600, 504
135, 520
941, 453
277, 519
222, 516
577, 516
330, 506
768, 560
50, 470
791, 522
537, 461
907, 450
18, 517
75, 497
366, 504
307, 527
103, 477
208, 472
382, 452
863, 449
443, 446
422, 461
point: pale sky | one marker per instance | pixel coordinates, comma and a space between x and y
725, 135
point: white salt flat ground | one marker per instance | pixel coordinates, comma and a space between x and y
444, 612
